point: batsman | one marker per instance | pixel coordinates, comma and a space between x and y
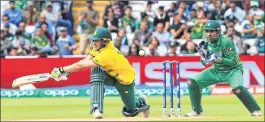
108, 67
219, 50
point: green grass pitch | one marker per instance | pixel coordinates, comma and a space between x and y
216, 108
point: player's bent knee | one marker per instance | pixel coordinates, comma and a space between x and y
238, 88
192, 82
134, 113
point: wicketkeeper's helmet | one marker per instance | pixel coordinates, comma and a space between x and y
212, 25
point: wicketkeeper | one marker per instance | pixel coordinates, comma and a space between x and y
108, 67
227, 67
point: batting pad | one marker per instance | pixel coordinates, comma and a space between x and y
195, 95
97, 89
246, 98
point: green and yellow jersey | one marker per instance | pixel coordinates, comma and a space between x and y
114, 63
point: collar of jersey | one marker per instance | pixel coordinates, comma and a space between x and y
109, 45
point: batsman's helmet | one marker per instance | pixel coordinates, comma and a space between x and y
212, 25
101, 34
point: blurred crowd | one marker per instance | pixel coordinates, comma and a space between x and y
30, 28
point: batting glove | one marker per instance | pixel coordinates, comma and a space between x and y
59, 74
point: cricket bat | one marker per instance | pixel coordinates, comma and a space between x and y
31, 79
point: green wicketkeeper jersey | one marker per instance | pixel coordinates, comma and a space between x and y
230, 58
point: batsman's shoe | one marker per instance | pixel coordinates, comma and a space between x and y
97, 114
256, 113
194, 114
145, 106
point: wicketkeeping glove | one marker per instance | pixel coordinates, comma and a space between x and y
59, 74
202, 49
211, 58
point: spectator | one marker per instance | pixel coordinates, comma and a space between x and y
21, 28
255, 10
191, 48
216, 11
63, 21
123, 48
197, 23
137, 42
56, 6
226, 4
150, 13
192, 19
184, 49
5, 23
145, 18
161, 17
117, 43
67, 13
171, 11
50, 14
22, 44
116, 7
128, 21
7, 28
235, 38
66, 18
247, 4
44, 27
13, 51
245, 48
185, 5
249, 32
134, 50
151, 50
124, 3
143, 35
34, 51
157, 48
111, 22
181, 11
235, 12
122, 36
65, 43
231, 23
6, 42
21, 4
30, 15
42, 19
200, 6
178, 29
162, 36
42, 42
260, 41
15, 15
172, 49
88, 20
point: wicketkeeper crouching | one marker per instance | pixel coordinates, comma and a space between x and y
227, 67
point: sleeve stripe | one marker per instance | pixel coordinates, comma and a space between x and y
97, 63
91, 54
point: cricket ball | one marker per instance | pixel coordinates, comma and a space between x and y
141, 52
